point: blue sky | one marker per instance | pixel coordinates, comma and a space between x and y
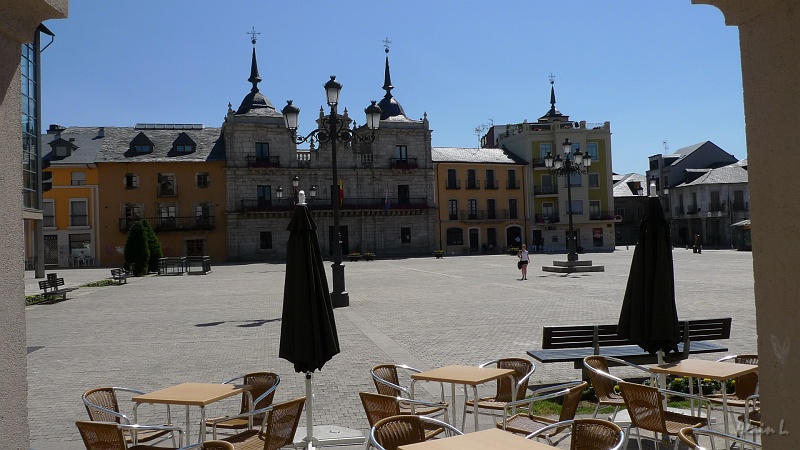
657, 70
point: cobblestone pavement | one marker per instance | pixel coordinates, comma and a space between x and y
158, 331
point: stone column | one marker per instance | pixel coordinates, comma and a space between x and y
18, 22
769, 39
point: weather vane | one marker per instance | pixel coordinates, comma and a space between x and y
386, 43
253, 33
552, 78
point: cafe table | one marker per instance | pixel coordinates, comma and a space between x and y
192, 394
486, 439
715, 370
465, 375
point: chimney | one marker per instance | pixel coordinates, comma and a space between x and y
55, 129
101, 132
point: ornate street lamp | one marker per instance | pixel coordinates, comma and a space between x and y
334, 131
570, 164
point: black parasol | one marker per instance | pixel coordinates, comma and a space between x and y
649, 316
308, 328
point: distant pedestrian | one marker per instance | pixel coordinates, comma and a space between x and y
697, 247
523, 261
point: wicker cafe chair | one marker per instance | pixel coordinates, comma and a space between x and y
98, 435
217, 445
379, 406
394, 431
276, 431
603, 381
387, 382
262, 392
689, 436
588, 434
646, 408
528, 423
523, 369
102, 404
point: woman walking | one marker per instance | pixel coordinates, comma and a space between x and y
523, 261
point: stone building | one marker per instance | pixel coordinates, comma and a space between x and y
385, 187
630, 200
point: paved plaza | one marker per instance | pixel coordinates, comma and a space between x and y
158, 331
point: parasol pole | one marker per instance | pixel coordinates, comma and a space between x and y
662, 377
309, 412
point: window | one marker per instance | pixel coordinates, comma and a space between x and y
544, 150
472, 182
195, 247
262, 149
202, 215
594, 180
620, 212
202, 180
131, 213
143, 148
455, 236
653, 164
577, 206
78, 213
264, 195
491, 183
738, 200
48, 214
403, 194
166, 185
265, 240
512, 208
472, 205
78, 178
591, 150
594, 209
512, 179
401, 153
405, 235
547, 184
452, 209
452, 182
574, 179
131, 181
79, 244
141, 144
597, 237
491, 212
166, 216
548, 212
184, 144
61, 151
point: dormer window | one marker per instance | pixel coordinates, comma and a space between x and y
61, 148
141, 144
184, 144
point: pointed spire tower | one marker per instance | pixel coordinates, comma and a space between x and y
553, 113
389, 105
255, 102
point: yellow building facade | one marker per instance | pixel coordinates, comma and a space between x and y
480, 200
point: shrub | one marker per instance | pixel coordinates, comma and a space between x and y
137, 251
153, 245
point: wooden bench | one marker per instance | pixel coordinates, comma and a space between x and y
572, 343
120, 275
54, 287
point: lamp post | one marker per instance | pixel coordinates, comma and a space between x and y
334, 131
567, 166
295, 193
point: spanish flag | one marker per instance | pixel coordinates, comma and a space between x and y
341, 192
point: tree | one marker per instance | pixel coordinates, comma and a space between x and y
154, 245
137, 252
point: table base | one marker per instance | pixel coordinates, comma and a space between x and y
328, 435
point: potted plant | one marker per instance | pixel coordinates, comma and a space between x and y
369, 256
438, 254
354, 256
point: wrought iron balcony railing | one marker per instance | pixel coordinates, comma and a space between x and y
263, 161
159, 224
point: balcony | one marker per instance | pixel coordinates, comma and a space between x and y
714, 207
320, 204
512, 184
453, 184
692, 209
264, 162
739, 206
483, 214
547, 218
473, 184
403, 163
160, 224
601, 215
679, 210
545, 190
490, 184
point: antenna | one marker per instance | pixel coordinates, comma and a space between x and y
666, 147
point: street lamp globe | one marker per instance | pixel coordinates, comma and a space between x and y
373, 112
332, 90
291, 115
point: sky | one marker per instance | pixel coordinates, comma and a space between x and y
665, 73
